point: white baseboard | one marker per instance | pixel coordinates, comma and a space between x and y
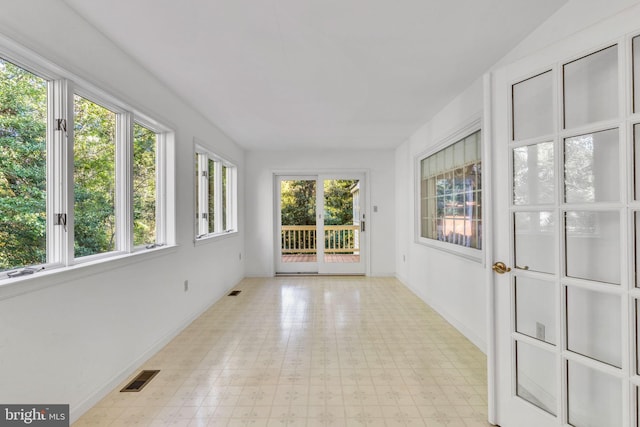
378, 274
76, 411
464, 330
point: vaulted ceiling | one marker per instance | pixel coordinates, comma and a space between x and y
301, 74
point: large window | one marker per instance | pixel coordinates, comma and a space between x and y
216, 194
94, 176
23, 160
76, 184
451, 194
145, 158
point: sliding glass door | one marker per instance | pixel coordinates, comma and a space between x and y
320, 224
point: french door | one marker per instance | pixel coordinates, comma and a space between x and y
567, 217
320, 224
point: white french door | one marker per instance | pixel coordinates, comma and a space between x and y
566, 135
320, 224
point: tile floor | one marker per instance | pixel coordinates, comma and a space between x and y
310, 351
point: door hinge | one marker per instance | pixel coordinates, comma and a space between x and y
61, 124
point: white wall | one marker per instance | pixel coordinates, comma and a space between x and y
260, 167
75, 335
451, 284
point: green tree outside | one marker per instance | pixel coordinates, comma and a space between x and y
144, 185
94, 178
23, 126
23, 174
298, 202
298, 206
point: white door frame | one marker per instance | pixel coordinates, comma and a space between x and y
360, 174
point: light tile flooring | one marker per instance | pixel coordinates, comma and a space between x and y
310, 351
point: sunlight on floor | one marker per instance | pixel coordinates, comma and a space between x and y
310, 351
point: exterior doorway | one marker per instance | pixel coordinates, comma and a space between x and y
321, 225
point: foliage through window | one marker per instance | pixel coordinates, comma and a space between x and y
115, 178
216, 196
23, 160
94, 178
451, 194
145, 147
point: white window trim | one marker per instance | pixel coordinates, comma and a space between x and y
472, 254
62, 86
201, 223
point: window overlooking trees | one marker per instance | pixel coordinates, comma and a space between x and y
23, 161
211, 202
94, 163
116, 180
216, 197
145, 143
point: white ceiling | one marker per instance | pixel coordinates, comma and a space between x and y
287, 74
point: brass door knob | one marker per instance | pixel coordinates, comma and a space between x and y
500, 267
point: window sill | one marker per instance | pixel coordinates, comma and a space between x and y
476, 255
211, 238
11, 287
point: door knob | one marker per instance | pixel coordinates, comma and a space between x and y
500, 267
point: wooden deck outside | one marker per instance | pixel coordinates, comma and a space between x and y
327, 258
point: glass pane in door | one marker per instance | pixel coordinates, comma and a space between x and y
637, 248
298, 220
595, 398
591, 88
533, 107
533, 239
536, 308
533, 177
590, 167
636, 74
593, 325
636, 162
593, 245
637, 337
341, 221
536, 376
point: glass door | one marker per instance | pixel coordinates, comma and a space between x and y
297, 224
344, 225
565, 226
321, 225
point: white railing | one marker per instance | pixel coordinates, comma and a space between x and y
300, 239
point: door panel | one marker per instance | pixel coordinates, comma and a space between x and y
343, 224
566, 223
297, 225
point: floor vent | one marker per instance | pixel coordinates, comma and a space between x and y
140, 381
234, 293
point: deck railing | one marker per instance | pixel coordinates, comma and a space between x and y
300, 239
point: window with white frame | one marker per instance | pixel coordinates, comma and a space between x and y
80, 177
451, 194
216, 194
